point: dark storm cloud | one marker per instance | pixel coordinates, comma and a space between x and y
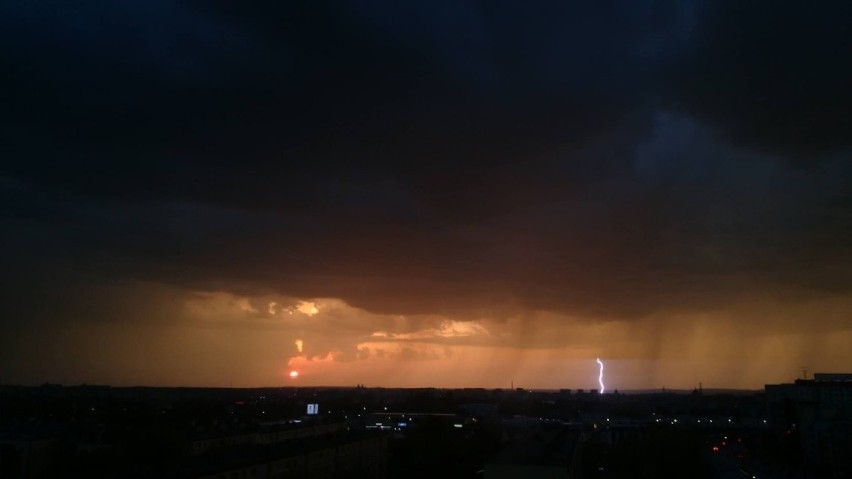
469, 159
774, 77
224, 97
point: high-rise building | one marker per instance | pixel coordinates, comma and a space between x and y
819, 410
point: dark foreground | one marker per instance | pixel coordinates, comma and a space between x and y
104, 432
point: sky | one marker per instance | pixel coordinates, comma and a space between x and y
414, 194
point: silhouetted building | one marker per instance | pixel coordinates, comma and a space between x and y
820, 412
28, 458
296, 431
534, 450
342, 455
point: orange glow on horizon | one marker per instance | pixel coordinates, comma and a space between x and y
294, 374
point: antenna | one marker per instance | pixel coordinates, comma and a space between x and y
804, 372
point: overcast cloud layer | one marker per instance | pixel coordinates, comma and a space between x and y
436, 178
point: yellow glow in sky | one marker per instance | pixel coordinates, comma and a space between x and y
307, 307
220, 339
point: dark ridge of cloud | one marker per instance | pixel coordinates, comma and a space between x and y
467, 160
696, 225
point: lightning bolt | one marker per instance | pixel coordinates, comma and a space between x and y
600, 375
